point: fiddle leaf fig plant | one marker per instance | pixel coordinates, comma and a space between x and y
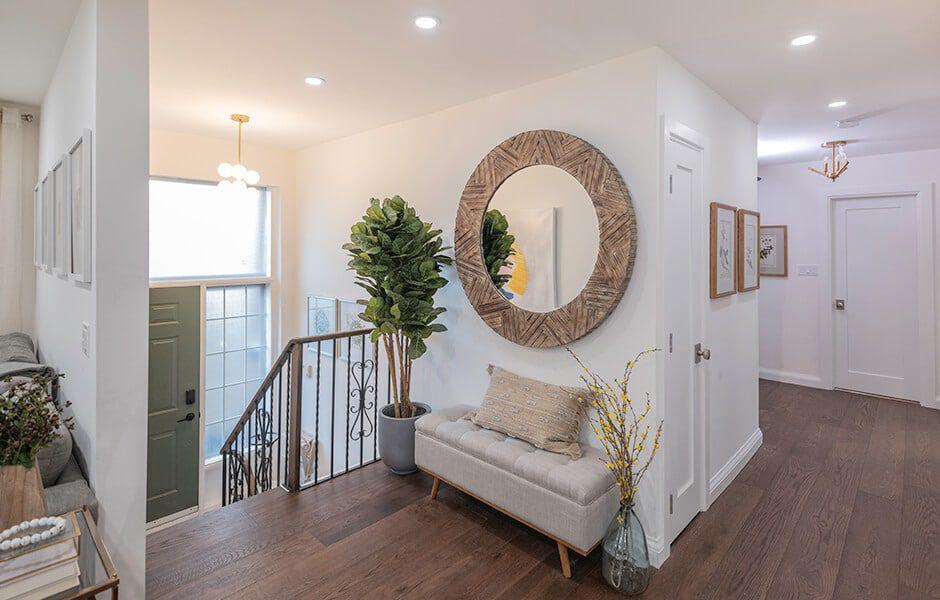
398, 260
497, 246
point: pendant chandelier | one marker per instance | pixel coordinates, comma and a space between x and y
836, 164
237, 177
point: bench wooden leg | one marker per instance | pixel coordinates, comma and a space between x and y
565, 564
435, 487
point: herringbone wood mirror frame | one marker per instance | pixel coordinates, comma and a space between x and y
617, 245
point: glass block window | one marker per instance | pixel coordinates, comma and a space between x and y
237, 355
199, 232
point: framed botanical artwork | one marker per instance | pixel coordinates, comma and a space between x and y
60, 191
48, 221
37, 225
773, 251
79, 209
721, 250
748, 267
349, 320
322, 315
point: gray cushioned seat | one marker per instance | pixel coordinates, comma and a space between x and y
573, 500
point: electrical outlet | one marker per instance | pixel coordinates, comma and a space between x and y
86, 338
808, 270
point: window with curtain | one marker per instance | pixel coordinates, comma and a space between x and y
198, 232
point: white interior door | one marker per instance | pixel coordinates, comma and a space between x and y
682, 230
875, 295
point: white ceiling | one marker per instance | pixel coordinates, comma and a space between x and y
32, 34
210, 58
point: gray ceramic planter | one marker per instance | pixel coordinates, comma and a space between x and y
397, 439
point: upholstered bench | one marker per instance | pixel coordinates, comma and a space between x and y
570, 501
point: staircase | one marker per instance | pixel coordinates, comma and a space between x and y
321, 397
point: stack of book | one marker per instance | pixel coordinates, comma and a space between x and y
43, 569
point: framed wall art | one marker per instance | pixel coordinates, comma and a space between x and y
748, 268
60, 190
322, 317
37, 225
48, 221
721, 250
773, 251
79, 209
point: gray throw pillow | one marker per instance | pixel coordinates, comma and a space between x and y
53, 457
17, 347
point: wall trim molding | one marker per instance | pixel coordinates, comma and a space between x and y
730, 470
658, 550
804, 379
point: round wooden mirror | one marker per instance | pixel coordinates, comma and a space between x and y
491, 290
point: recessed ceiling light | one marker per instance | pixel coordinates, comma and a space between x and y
837, 104
803, 40
314, 80
427, 22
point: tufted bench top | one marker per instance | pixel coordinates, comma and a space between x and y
582, 481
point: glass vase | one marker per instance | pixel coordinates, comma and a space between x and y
626, 561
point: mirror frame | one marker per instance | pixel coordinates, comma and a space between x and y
616, 247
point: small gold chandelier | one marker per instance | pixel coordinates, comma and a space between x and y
835, 165
237, 177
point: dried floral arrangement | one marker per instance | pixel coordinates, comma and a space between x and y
621, 425
29, 417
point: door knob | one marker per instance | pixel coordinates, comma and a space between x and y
840, 304
701, 353
188, 417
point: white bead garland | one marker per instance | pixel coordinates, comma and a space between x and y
8, 543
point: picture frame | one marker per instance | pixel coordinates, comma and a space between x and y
37, 225
348, 320
322, 318
748, 241
79, 209
721, 250
60, 189
773, 251
48, 221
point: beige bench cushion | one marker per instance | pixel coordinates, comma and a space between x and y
572, 500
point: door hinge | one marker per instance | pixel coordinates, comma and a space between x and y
670, 343
670, 183
670, 504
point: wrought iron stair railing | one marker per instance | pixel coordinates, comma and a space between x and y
320, 396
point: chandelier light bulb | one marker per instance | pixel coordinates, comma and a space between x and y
237, 177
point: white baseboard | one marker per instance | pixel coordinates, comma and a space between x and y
730, 470
658, 550
803, 379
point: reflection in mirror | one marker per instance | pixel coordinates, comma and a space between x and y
540, 238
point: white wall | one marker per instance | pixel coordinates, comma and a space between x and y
615, 106
731, 322
789, 306
428, 160
101, 83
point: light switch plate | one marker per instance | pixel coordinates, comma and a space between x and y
86, 338
808, 270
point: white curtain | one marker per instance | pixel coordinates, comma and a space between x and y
11, 219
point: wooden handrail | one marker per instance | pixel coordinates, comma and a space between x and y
293, 352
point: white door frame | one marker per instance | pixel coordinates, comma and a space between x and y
674, 131
923, 196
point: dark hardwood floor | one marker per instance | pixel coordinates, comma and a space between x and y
841, 501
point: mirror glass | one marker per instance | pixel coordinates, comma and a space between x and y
540, 238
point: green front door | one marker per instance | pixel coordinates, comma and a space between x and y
173, 417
